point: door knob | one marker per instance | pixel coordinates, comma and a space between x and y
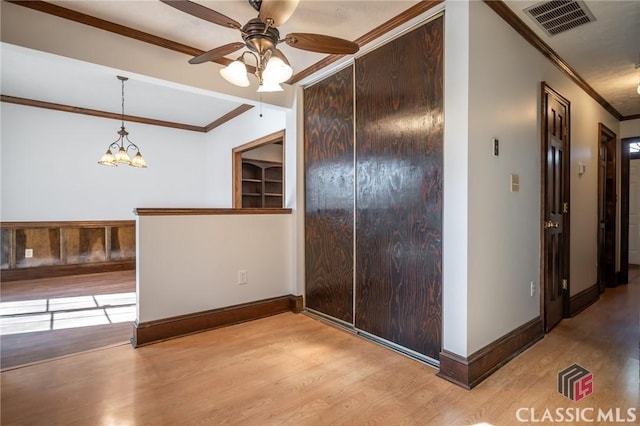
549, 224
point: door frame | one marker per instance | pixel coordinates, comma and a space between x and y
625, 158
547, 90
607, 138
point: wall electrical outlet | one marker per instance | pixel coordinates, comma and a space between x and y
28, 253
533, 288
242, 277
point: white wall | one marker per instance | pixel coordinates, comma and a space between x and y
504, 227
189, 264
239, 131
629, 128
455, 187
50, 170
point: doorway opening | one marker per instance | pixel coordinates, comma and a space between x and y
258, 173
629, 206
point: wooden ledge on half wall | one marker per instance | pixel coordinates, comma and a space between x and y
206, 211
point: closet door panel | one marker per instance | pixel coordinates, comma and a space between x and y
399, 140
329, 178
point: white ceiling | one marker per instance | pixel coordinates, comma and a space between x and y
603, 53
41, 76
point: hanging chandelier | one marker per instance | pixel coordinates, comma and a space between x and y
122, 152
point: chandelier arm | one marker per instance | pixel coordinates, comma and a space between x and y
131, 145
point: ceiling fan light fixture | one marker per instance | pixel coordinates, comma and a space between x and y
261, 36
277, 71
236, 73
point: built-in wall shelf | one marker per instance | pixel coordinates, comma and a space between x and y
261, 184
32, 250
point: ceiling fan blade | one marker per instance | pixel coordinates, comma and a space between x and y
277, 12
216, 53
321, 43
202, 12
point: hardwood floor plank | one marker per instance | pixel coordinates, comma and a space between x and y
73, 285
293, 369
30, 347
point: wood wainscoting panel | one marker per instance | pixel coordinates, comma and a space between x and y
32, 250
582, 300
169, 328
399, 148
469, 372
329, 176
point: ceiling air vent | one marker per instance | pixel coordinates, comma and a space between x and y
557, 16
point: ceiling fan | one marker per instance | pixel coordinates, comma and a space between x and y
261, 36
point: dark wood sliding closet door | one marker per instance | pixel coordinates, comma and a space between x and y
329, 174
399, 140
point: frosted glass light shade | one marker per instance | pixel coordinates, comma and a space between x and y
267, 86
122, 157
277, 71
235, 73
138, 161
108, 159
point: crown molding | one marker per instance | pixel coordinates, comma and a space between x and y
131, 118
505, 12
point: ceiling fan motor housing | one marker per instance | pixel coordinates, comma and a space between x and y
259, 37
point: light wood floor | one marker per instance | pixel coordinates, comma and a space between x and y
292, 369
25, 348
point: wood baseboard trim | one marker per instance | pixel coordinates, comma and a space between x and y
469, 372
582, 300
64, 270
169, 328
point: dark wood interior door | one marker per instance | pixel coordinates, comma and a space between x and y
399, 141
602, 173
555, 274
606, 209
329, 175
